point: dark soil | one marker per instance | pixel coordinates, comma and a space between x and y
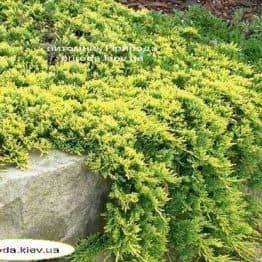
224, 9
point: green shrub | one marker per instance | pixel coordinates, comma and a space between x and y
178, 133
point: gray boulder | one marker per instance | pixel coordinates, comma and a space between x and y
57, 198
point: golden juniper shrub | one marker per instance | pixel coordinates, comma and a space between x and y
178, 132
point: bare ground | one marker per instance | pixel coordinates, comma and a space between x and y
224, 9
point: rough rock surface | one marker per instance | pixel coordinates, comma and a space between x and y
57, 198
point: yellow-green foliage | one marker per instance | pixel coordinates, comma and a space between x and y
178, 134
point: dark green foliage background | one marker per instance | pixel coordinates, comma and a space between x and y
178, 134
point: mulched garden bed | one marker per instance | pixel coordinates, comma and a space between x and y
224, 9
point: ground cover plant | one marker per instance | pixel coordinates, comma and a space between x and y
173, 122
